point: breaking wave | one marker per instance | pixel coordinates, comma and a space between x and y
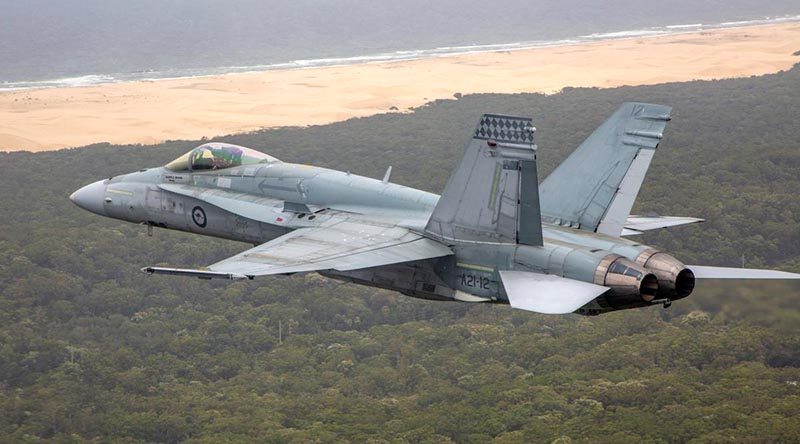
396, 56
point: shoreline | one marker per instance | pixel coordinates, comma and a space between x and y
151, 111
87, 80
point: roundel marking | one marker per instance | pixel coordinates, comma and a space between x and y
199, 217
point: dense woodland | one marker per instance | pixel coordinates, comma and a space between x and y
93, 350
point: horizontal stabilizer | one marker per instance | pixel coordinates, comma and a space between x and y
547, 293
704, 272
637, 224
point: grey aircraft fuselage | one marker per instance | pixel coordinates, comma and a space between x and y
470, 275
494, 235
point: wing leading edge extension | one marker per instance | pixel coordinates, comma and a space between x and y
348, 245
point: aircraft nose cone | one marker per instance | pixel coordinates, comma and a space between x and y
90, 197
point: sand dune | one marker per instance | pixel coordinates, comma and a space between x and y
151, 111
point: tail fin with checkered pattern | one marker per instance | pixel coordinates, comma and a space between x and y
493, 194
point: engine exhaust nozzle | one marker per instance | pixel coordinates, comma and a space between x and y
675, 281
626, 278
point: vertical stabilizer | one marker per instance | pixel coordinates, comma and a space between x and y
493, 194
595, 188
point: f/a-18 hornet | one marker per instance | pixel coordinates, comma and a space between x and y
494, 235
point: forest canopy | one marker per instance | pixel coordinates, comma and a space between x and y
93, 350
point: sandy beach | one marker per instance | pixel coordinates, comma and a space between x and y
152, 111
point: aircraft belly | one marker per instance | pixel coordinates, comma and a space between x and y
442, 279
416, 279
476, 281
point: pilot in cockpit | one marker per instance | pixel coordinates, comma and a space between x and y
217, 156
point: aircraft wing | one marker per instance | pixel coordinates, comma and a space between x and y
547, 293
347, 245
637, 224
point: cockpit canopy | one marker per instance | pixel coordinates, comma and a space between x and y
217, 156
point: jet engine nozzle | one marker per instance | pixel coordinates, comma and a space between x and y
626, 279
674, 279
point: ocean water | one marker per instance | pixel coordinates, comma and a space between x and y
55, 43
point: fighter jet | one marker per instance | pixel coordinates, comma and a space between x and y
495, 235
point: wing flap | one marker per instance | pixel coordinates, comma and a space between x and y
706, 272
547, 293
